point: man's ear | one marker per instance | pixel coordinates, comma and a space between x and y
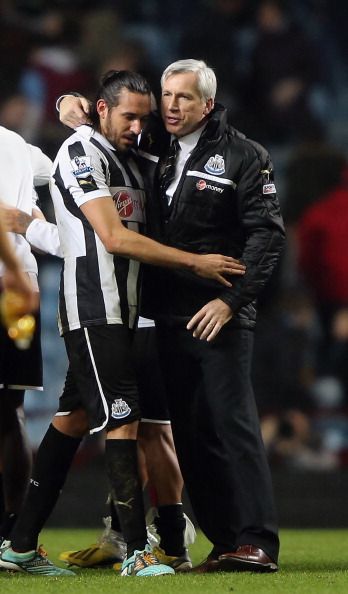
102, 108
208, 106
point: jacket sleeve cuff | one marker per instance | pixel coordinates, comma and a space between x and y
231, 300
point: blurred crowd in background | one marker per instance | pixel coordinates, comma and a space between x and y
282, 72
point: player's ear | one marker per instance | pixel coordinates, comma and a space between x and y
102, 108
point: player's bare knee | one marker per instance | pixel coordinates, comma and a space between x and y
155, 433
75, 424
11, 410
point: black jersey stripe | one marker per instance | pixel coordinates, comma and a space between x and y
90, 300
124, 163
121, 271
116, 176
69, 203
61, 304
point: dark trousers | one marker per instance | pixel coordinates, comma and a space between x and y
217, 437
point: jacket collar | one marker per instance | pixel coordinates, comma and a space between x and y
156, 138
217, 122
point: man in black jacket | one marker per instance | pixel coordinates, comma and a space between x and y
221, 198
213, 193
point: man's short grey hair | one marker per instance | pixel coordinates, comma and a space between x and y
205, 76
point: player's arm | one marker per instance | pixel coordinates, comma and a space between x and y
42, 235
117, 239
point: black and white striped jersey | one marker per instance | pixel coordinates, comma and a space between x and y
96, 287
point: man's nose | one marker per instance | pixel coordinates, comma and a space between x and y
136, 127
173, 104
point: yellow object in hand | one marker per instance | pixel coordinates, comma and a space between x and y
20, 326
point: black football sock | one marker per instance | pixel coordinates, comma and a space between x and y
122, 468
115, 520
171, 526
53, 460
8, 521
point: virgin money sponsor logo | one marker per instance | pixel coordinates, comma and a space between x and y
202, 185
124, 204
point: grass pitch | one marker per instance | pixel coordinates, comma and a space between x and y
311, 561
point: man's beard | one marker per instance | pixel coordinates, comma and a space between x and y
124, 150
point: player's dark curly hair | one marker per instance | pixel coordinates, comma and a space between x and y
111, 85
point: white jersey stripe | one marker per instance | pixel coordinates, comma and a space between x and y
70, 293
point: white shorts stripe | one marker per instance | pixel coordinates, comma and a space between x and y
106, 410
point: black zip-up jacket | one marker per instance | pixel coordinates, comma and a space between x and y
225, 203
